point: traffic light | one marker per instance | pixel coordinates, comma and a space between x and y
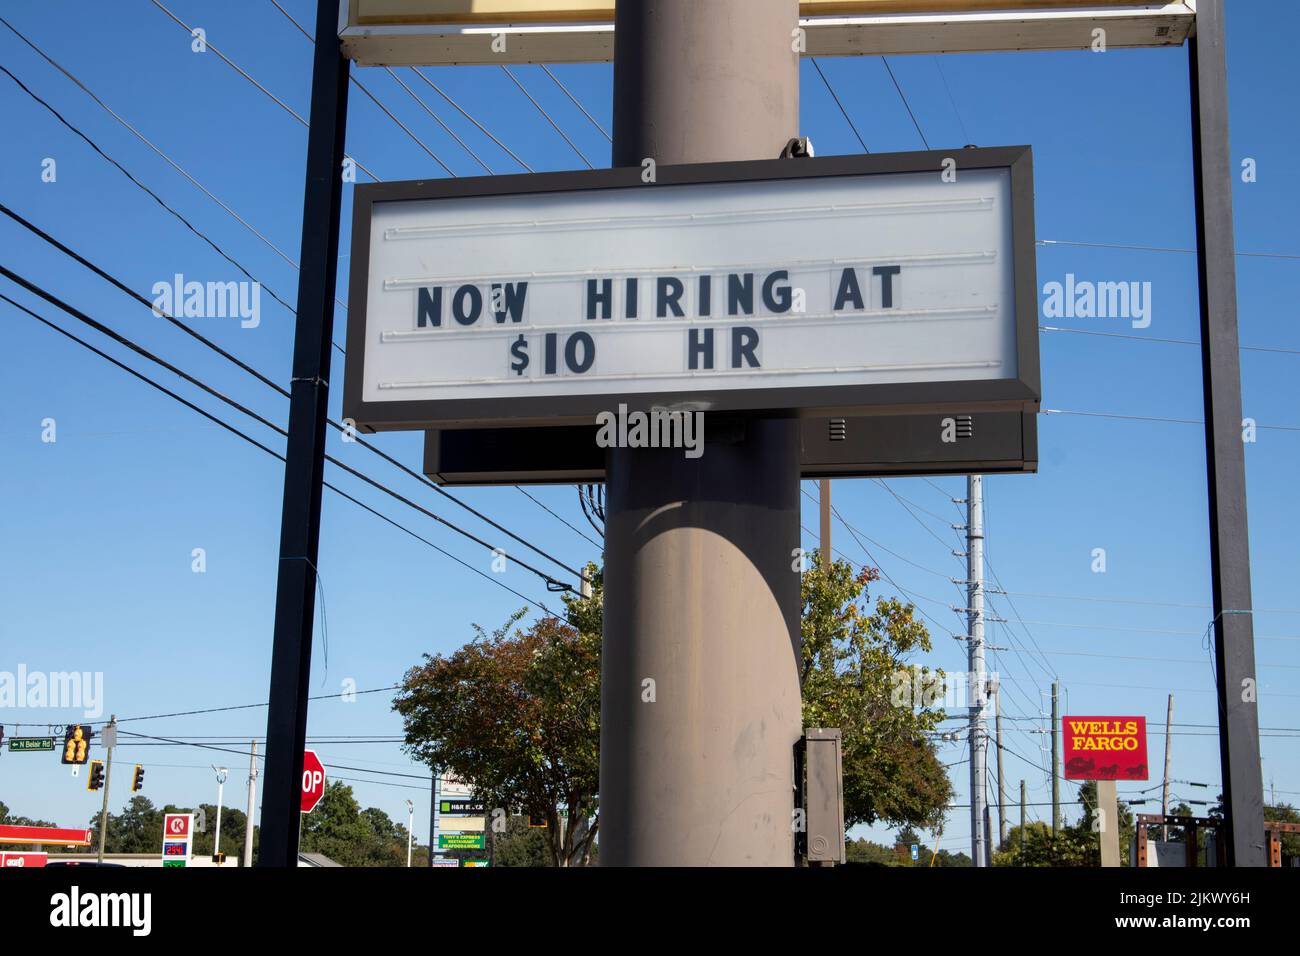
137, 779
76, 743
96, 779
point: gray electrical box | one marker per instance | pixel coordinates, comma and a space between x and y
824, 795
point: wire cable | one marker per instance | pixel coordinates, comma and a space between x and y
40, 233
228, 427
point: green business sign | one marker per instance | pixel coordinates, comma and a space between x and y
30, 744
173, 862
460, 841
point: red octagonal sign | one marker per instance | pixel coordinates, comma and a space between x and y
313, 780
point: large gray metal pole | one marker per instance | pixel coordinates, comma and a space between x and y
976, 680
700, 704
1234, 645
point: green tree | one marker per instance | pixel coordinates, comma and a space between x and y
350, 836
517, 717
855, 676
521, 845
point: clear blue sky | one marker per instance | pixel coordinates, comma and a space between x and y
98, 528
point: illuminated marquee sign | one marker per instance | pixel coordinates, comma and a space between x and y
432, 32
1105, 748
843, 284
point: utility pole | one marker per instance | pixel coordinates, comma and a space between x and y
824, 499
304, 468
109, 737
1022, 821
252, 804
1002, 793
433, 817
1164, 790
701, 605
975, 652
1056, 764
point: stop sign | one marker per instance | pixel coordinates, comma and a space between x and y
313, 780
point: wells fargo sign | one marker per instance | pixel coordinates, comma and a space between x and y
1105, 748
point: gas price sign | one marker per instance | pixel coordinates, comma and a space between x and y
858, 283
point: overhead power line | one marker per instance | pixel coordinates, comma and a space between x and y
554, 125
140, 350
230, 428
158, 199
835, 96
245, 74
423, 479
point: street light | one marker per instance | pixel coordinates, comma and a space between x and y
410, 826
221, 773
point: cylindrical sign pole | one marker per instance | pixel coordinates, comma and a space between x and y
700, 702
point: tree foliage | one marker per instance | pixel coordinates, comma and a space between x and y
517, 717
854, 664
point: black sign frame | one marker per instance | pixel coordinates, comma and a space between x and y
1020, 393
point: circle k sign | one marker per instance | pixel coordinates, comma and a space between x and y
313, 780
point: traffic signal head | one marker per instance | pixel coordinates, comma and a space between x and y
96, 779
137, 779
76, 743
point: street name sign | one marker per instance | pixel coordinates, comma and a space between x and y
843, 285
31, 744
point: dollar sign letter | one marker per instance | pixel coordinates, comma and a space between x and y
519, 355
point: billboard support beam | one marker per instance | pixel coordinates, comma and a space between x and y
700, 700
1234, 644
304, 469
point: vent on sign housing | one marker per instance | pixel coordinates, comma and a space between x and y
1162, 31
839, 429
965, 426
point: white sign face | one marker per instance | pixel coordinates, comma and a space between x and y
685, 294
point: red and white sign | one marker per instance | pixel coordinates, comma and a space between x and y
178, 839
21, 860
313, 780
1105, 748
53, 835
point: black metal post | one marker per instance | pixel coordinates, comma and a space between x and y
1234, 645
304, 468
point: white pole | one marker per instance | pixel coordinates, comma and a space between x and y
221, 783
252, 805
410, 829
